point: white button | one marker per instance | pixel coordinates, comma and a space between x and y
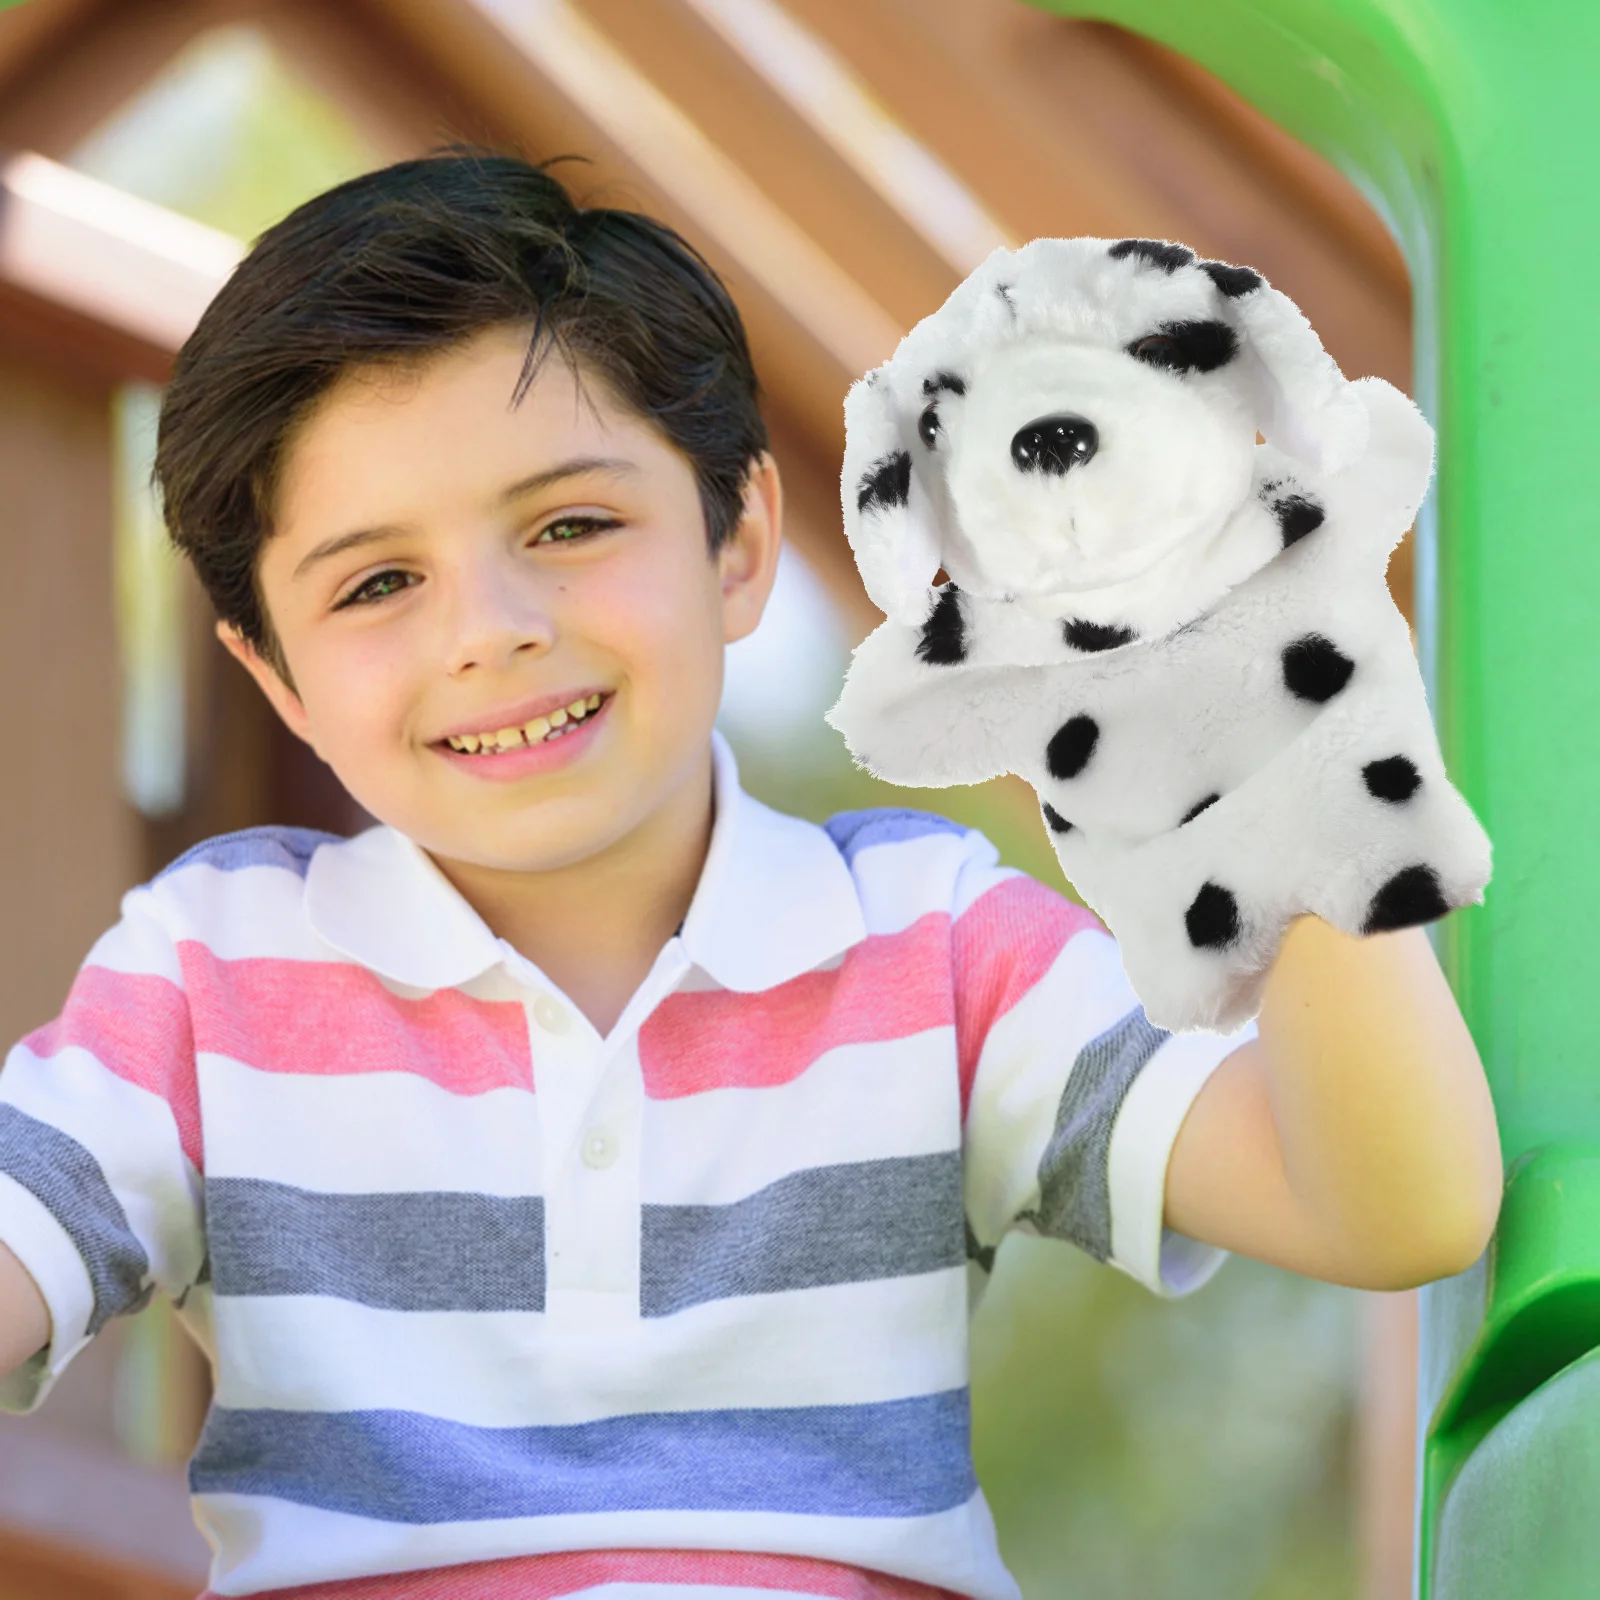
599, 1148
551, 1015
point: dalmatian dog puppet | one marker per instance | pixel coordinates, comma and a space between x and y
1181, 637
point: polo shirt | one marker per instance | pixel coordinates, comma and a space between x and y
513, 1309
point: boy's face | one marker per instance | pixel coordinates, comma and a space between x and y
448, 572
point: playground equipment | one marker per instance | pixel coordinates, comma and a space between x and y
1472, 126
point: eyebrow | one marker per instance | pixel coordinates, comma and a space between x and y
577, 467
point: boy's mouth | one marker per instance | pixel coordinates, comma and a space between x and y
553, 725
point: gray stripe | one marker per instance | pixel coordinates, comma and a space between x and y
420, 1251
69, 1183
1074, 1186
895, 1458
844, 1224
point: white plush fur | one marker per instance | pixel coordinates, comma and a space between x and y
1169, 531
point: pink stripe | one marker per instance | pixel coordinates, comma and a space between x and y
1003, 944
328, 1018
135, 1025
548, 1577
889, 986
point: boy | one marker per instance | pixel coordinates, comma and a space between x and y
575, 1179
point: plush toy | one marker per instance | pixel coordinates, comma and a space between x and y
1180, 636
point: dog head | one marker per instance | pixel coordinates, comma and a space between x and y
1075, 413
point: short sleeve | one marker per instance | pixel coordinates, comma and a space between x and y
100, 1194
1073, 1098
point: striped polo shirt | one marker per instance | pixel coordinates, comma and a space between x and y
515, 1310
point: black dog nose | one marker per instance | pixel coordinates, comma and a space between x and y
1053, 444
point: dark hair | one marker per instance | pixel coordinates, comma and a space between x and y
415, 259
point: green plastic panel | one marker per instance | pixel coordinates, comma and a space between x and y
1521, 1518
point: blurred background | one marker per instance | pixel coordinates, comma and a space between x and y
844, 163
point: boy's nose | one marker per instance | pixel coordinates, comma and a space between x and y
495, 619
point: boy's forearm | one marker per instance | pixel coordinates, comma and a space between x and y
1382, 1111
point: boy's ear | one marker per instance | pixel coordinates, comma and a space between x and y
747, 559
269, 680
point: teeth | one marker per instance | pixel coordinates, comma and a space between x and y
556, 725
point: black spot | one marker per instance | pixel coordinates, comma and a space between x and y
1213, 919
1232, 281
1195, 810
1070, 747
1201, 346
943, 642
1096, 635
1393, 778
944, 380
887, 482
1315, 668
1411, 896
1158, 252
1004, 291
1058, 823
1297, 516
1054, 445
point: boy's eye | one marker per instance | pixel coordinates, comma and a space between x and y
378, 587
567, 529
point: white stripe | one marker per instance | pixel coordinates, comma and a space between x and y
271, 1544
844, 1344
247, 913
1141, 1146
131, 1133
902, 880
138, 945
859, 1102
366, 1133
1023, 1068
41, 1244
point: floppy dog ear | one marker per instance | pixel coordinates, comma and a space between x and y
887, 515
1303, 402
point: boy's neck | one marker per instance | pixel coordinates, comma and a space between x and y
595, 928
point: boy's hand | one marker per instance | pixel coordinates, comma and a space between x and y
1355, 1139
24, 1317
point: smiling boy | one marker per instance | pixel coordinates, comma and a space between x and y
576, 1179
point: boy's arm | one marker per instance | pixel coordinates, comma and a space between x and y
1354, 1140
24, 1317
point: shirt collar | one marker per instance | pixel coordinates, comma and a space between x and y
775, 899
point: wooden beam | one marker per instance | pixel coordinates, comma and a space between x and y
29, 31
801, 69
779, 150
143, 272
58, 83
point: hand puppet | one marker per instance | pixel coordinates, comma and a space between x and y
1179, 635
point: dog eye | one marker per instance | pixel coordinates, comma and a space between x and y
1157, 350
928, 426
